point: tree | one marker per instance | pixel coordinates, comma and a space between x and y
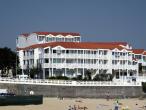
16, 71
33, 72
8, 60
39, 71
88, 75
144, 87
103, 77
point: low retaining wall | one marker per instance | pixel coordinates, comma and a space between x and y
74, 91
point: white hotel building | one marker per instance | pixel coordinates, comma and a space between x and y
64, 54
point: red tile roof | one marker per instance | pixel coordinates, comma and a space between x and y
112, 43
25, 34
144, 53
138, 51
76, 45
57, 33
134, 59
53, 33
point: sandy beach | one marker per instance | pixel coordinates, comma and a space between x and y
79, 103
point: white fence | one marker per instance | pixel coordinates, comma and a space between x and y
68, 82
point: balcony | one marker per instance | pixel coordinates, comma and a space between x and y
46, 65
47, 55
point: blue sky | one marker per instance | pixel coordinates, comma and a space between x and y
95, 20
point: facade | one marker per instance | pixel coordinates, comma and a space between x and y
63, 54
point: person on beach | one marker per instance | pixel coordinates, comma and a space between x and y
116, 106
69, 108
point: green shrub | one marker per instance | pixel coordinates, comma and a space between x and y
59, 78
103, 77
144, 87
74, 78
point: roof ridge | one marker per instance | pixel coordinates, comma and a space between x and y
80, 45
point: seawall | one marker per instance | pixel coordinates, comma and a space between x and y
74, 91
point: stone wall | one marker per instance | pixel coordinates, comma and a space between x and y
75, 91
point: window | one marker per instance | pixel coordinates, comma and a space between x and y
105, 52
27, 62
58, 39
62, 39
134, 63
129, 54
58, 52
66, 39
129, 62
88, 52
124, 62
40, 38
77, 39
46, 50
94, 52
121, 62
124, 54
24, 62
54, 51
114, 62
53, 39
144, 58
54, 60
31, 61
46, 60
27, 53
105, 62
40, 61
24, 53
100, 52
100, 61
69, 61
48, 39
94, 61
57, 60
80, 51
80, 61
32, 52
62, 51
138, 56
67, 51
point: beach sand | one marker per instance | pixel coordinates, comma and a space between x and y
91, 104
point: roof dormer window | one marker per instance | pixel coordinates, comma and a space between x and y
41, 38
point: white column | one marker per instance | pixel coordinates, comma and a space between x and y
49, 72
127, 73
83, 65
77, 71
77, 63
43, 73
52, 63
119, 74
65, 72
83, 73
65, 63
52, 72
43, 63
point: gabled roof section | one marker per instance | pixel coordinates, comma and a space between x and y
134, 59
25, 34
75, 45
144, 53
58, 33
113, 43
138, 51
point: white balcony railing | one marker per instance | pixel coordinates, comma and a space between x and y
68, 82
